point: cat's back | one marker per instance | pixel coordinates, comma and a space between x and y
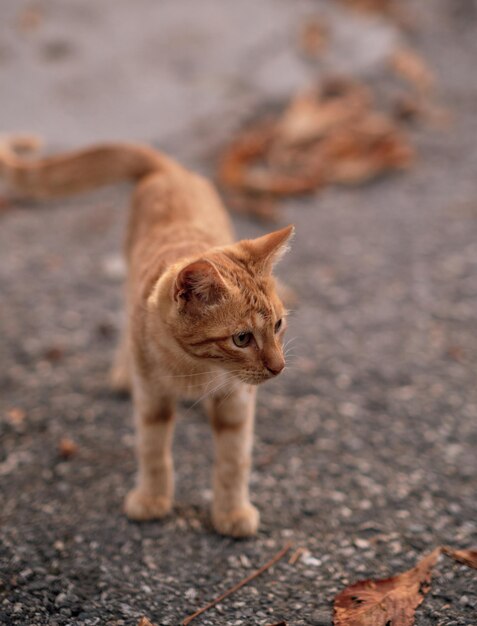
176, 206
174, 214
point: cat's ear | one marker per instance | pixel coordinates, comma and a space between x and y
199, 281
266, 251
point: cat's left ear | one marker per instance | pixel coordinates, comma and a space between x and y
266, 251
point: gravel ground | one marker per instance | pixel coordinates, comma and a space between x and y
365, 447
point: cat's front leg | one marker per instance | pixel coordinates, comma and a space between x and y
232, 418
152, 497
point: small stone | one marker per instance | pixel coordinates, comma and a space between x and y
245, 561
310, 560
67, 448
61, 600
321, 617
191, 593
347, 409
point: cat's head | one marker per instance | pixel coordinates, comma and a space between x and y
226, 311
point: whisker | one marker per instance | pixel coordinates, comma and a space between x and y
227, 396
208, 383
289, 341
208, 393
199, 373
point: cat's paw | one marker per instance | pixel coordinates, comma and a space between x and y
142, 506
242, 522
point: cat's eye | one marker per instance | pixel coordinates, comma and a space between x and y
278, 325
242, 340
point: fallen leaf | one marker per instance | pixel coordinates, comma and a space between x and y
313, 114
16, 416
467, 557
314, 38
30, 18
456, 353
5, 204
54, 354
67, 448
410, 66
372, 6
391, 9
387, 601
409, 108
145, 622
333, 135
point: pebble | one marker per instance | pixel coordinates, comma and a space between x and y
321, 617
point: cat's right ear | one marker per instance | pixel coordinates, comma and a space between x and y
199, 281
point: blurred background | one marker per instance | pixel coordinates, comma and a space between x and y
365, 447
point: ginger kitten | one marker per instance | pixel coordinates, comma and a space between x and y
204, 317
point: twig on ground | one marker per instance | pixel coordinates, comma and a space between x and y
239, 585
296, 556
466, 557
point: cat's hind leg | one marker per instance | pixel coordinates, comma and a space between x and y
120, 374
152, 496
232, 420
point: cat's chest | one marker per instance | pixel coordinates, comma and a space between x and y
198, 386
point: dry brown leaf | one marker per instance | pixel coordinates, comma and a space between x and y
54, 354
16, 416
314, 38
456, 353
387, 601
467, 557
410, 108
311, 115
67, 448
373, 6
240, 167
333, 136
408, 64
5, 204
392, 9
145, 622
365, 150
30, 18
248, 147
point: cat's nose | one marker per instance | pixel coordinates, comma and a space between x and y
275, 366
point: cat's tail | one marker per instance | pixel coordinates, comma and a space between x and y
77, 171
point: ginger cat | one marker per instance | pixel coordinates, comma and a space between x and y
204, 317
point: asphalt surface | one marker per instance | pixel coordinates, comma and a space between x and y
366, 446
